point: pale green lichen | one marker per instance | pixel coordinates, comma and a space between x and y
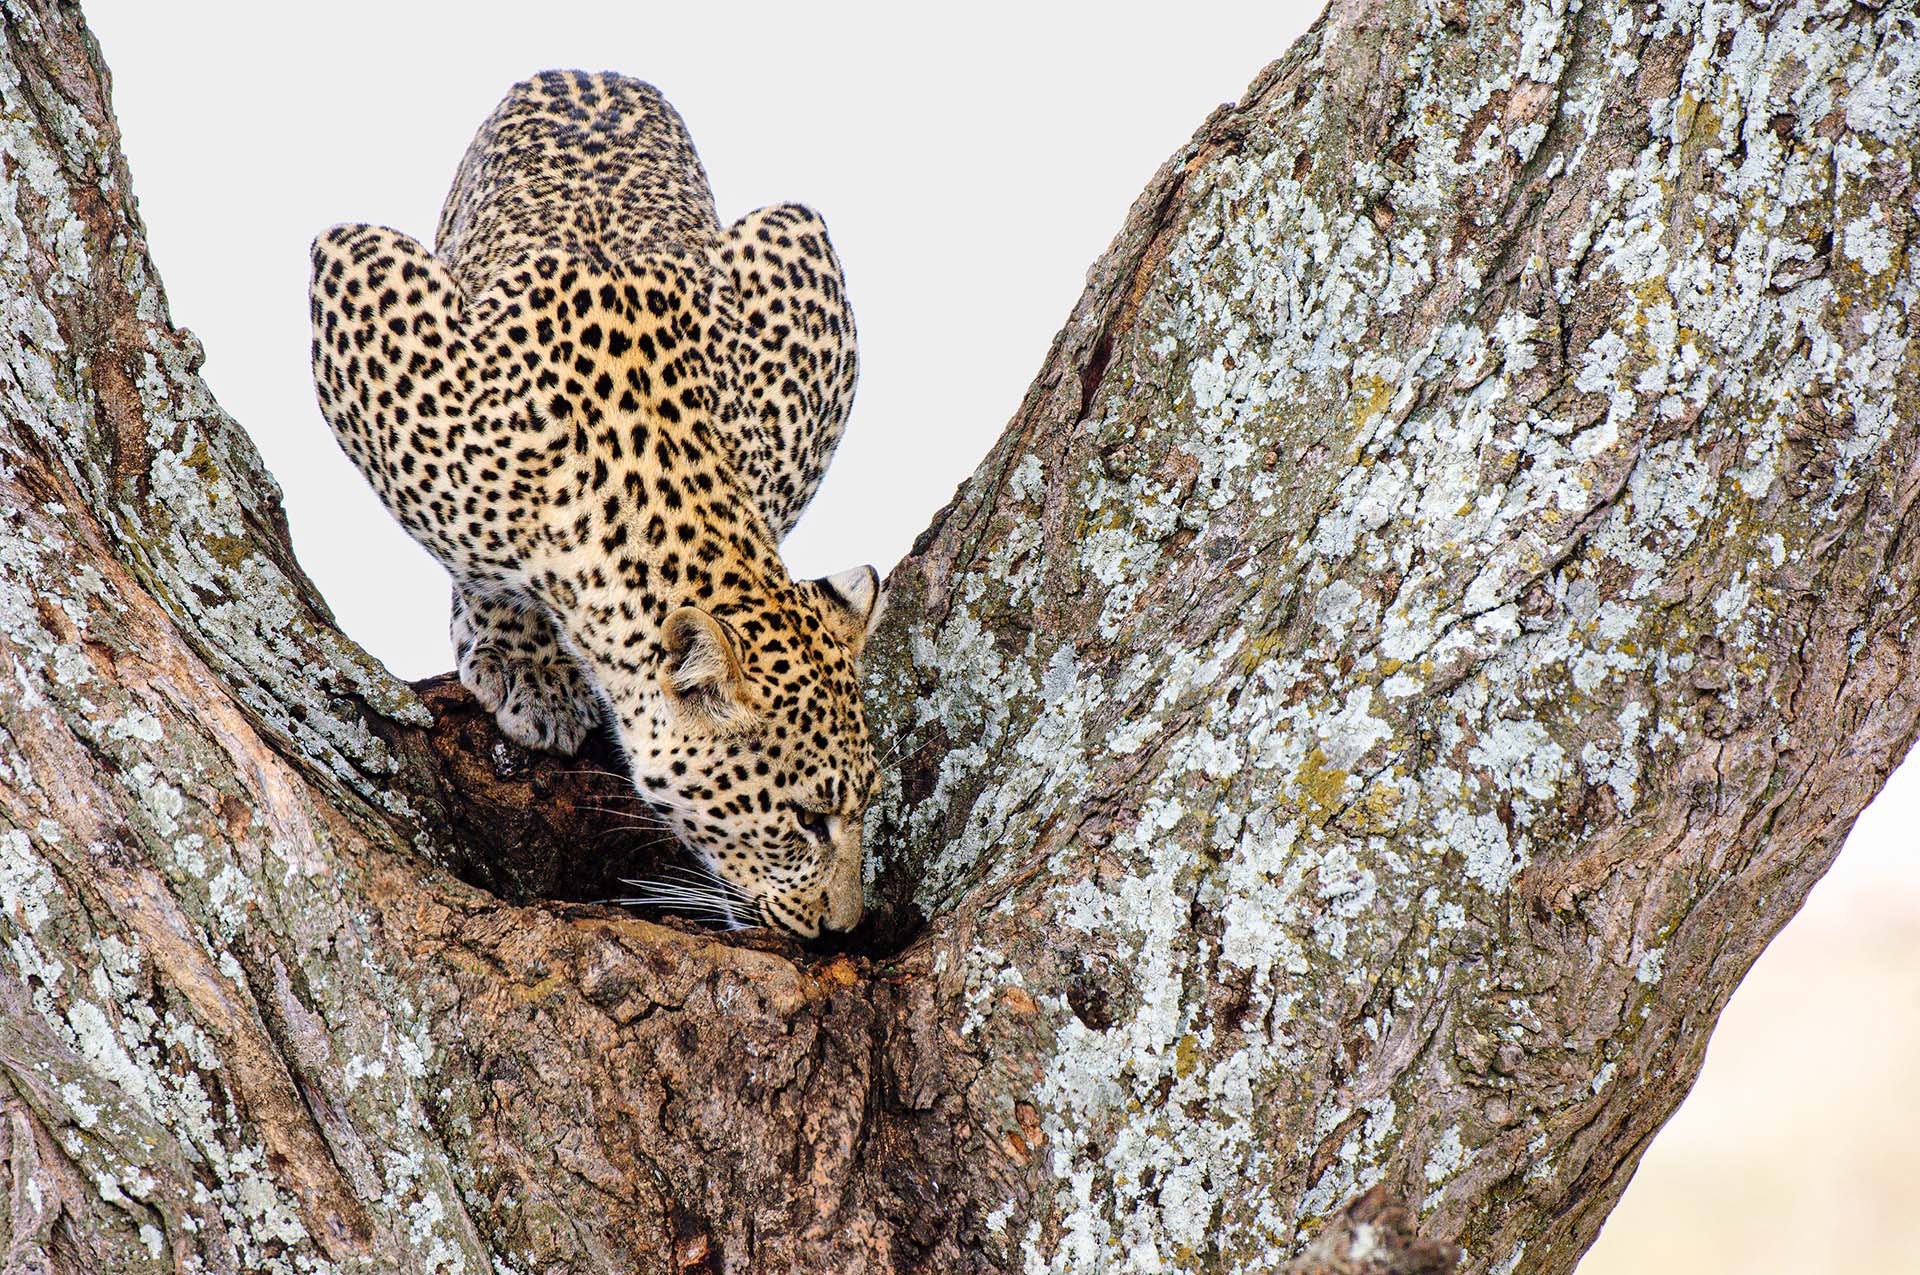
1485, 587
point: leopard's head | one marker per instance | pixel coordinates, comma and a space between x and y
757, 751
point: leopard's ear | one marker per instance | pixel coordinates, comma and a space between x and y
701, 676
850, 605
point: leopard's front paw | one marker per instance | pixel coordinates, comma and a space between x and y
511, 661
483, 670
548, 705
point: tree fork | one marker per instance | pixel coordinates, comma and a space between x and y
1440, 606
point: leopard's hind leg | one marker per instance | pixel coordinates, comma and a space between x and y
399, 367
792, 350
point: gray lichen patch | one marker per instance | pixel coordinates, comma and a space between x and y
174, 916
186, 498
1438, 529
152, 1022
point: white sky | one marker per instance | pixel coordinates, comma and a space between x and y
970, 168
971, 163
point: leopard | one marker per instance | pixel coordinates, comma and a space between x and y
601, 411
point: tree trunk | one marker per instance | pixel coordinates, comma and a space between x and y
1439, 608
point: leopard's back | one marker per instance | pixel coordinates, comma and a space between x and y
600, 410
594, 166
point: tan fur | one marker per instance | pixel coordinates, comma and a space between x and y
601, 411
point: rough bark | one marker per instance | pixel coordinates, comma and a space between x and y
1440, 606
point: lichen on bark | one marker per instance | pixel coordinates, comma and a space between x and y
1438, 609
1433, 582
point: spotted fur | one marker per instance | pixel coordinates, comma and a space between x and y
601, 411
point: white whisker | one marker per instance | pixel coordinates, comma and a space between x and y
636, 817
596, 770
899, 753
696, 891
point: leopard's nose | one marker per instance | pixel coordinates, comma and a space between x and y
841, 915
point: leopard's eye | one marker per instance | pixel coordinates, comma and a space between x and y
814, 824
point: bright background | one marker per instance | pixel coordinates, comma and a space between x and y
972, 161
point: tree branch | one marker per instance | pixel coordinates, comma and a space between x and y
1438, 609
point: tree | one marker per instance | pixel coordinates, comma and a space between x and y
1440, 606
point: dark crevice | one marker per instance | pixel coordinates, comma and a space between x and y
528, 826
1096, 367
533, 828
